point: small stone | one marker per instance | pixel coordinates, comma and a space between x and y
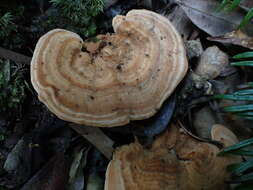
203, 121
212, 63
194, 48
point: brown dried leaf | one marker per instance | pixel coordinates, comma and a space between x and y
182, 23
204, 14
236, 37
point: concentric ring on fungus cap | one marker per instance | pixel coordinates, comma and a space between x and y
126, 77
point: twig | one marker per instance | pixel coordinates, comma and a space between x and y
16, 57
96, 137
217, 143
109, 3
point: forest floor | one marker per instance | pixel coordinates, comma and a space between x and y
40, 151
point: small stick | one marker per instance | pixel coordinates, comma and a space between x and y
217, 143
16, 57
96, 137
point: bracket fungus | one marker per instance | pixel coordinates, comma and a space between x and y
119, 77
176, 161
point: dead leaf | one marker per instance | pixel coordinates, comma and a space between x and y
236, 37
95, 182
18, 162
54, 175
109, 3
96, 137
76, 173
204, 14
182, 23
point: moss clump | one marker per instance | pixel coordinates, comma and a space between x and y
6, 25
10, 36
80, 13
12, 86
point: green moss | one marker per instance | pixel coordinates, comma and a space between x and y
80, 14
10, 37
6, 25
12, 86
230, 5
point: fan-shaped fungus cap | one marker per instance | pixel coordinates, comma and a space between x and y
120, 77
223, 135
176, 161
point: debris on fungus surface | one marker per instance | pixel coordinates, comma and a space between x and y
118, 78
176, 161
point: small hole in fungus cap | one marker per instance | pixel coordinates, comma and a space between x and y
119, 67
83, 49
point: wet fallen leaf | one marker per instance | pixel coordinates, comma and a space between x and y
53, 176
96, 137
95, 170
204, 14
158, 123
18, 162
76, 175
94, 182
236, 37
109, 3
182, 23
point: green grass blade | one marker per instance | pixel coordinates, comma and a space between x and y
246, 19
242, 152
223, 4
244, 187
244, 92
242, 63
250, 84
237, 146
245, 114
246, 177
233, 167
239, 108
247, 117
242, 167
6, 19
244, 55
233, 5
234, 97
